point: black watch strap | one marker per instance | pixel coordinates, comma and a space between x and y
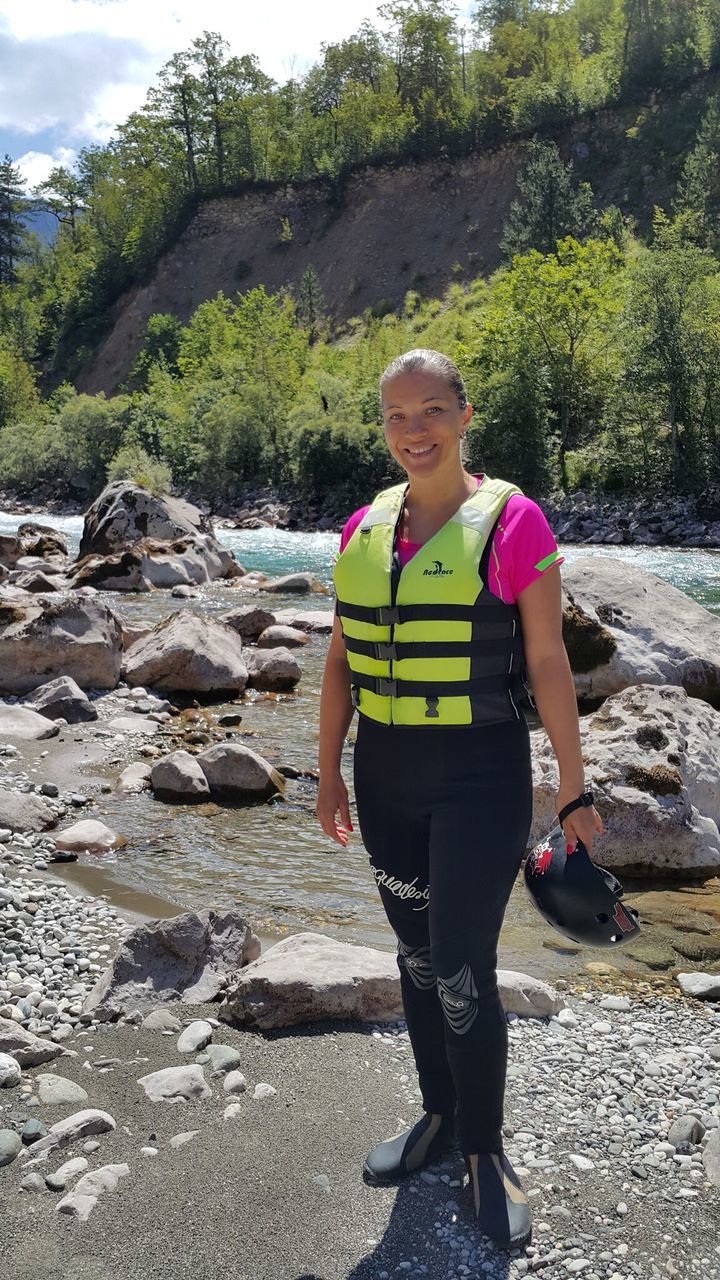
583, 802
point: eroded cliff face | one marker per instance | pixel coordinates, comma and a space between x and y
413, 226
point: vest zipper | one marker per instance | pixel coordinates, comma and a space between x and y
395, 571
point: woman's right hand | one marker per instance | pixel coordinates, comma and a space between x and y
332, 799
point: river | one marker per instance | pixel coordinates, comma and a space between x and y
272, 860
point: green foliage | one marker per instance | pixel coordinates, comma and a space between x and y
554, 205
132, 462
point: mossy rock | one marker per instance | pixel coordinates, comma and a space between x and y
659, 780
653, 954
699, 947
588, 645
651, 737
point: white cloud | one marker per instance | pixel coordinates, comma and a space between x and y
35, 166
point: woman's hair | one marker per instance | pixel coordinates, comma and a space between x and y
424, 360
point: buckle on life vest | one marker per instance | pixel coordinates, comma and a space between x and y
385, 652
386, 688
432, 712
355, 695
387, 616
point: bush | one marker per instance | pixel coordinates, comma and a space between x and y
132, 462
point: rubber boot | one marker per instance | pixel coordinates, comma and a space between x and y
432, 1137
500, 1206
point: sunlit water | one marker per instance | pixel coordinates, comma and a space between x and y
272, 860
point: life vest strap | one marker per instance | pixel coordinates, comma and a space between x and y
394, 615
429, 688
386, 652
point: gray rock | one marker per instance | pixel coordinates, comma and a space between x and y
178, 776
10, 1071
181, 1139
134, 779
222, 1058
624, 626
272, 670
307, 977
125, 513
249, 621
161, 1020
57, 1091
90, 835
32, 1131
294, 583
79, 1125
317, 620
711, 1158
527, 996
59, 1178
234, 1082
28, 1049
64, 698
189, 957
704, 986
238, 773
277, 636
81, 1201
21, 722
73, 637
195, 1036
27, 811
188, 652
33, 1182
10, 1146
176, 1084
685, 1129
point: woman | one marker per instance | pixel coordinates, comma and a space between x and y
448, 590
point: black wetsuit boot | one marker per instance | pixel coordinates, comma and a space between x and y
500, 1206
432, 1137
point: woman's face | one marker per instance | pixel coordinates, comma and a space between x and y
423, 423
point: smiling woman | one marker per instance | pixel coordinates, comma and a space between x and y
448, 597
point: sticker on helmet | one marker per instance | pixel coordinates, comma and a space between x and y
540, 859
622, 919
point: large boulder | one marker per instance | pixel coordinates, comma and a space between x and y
190, 957
317, 620
274, 670
42, 540
235, 772
190, 653
175, 543
125, 513
652, 760
121, 572
280, 636
25, 1047
625, 626
73, 637
21, 722
89, 835
308, 977
63, 699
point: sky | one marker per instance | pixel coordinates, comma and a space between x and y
72, 70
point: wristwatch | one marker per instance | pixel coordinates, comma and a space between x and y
583, 802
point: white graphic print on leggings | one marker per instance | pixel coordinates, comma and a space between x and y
458, 996
400, 888
416, 962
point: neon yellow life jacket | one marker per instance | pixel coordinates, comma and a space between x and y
427, 644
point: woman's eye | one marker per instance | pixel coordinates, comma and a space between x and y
434, 408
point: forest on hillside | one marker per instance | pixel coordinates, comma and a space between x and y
592, 358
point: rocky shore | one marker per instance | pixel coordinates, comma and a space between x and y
691, 520
171, 1143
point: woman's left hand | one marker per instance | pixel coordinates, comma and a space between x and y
581, 824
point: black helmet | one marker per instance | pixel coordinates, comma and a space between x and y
576, 896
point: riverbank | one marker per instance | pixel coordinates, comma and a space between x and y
578, 518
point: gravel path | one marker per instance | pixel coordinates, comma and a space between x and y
273, 1189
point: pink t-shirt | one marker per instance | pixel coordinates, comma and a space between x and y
523, 546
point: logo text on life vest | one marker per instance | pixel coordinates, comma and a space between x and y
437, 571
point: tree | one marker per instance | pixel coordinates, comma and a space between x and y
12, 228
554, 204
62, 194
310, 301
699, 187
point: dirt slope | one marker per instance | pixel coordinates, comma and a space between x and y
414, 226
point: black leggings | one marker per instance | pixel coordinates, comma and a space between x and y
445, 816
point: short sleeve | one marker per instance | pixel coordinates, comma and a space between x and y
524, 546
351, 525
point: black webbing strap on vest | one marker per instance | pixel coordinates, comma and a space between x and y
385, 652
429, 689
393, 615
